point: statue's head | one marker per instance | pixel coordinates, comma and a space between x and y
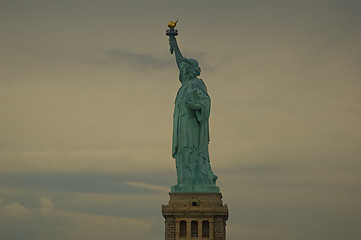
194, 66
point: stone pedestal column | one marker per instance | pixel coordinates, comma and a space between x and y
219, 229
170, 228
200, 222
189, 229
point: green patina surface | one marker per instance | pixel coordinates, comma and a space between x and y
191, 128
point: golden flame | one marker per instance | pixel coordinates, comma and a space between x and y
172, 24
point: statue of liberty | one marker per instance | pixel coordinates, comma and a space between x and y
191, 126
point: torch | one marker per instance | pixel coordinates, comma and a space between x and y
172, 32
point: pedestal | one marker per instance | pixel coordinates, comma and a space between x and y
190, 216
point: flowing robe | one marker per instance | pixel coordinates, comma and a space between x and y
191, 135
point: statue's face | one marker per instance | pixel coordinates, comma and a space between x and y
188, 71
186, 68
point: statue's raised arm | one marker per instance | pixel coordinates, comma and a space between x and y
173, 42
174, 46
188, 67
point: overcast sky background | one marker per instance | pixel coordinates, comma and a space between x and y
87, 90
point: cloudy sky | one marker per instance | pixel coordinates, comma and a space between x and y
86, 99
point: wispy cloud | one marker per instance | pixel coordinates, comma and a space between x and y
46, 206
17, 211
147, 186
143, 61
95, 183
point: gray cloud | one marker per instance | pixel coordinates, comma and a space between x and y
147, 61
141, 61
